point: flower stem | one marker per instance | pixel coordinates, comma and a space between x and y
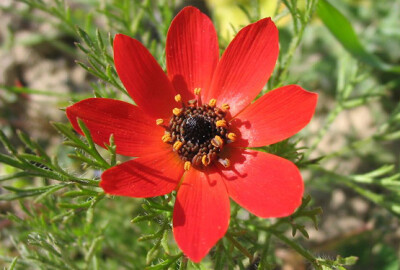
184, 263
264, 252
304, 20
239, 246
303, 252
321, 134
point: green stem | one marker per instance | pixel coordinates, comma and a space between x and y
294, 44
303, 252
184, 263
239, 247
264, 253
375, 198
329, 120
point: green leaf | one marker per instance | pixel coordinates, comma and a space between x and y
68, 132
85, 37
143, 218
7, 144
96, 242
14, 176
75, 206
100, 40
49, 192
153, 253
83, 49
341, 28
164, 242
164, 264
10, 161
22, 193
347, 260
13, 264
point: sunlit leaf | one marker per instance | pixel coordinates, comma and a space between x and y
341, 28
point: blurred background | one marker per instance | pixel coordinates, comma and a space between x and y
351, 147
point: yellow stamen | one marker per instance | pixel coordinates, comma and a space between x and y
159, 122
205, 160
166, 138
225, 107
217, 141
212, 102
221, 123
177, 111
197, 91
232, 136
187, 165
177, 145
178, 98
225, 162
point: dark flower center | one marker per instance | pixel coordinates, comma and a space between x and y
198, 129
197, 133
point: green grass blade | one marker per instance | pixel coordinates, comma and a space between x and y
341, 28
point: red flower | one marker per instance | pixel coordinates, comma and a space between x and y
193, 127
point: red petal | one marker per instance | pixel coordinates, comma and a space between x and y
201, 213
143, 77
135, 133
192, 52
266, 185
245, 66
147, 176
275, 116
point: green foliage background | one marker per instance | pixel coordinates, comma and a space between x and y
347, 51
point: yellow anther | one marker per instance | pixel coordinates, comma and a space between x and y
166, 138
177, 111
225, 162
197, 91
205, 160
178, 98
212, 102
177, 145
231, 136
221, 123
159, 122
225, 107
187, 165
217, 141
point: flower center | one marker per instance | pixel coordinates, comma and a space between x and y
195, 134
198, 128
198, 132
